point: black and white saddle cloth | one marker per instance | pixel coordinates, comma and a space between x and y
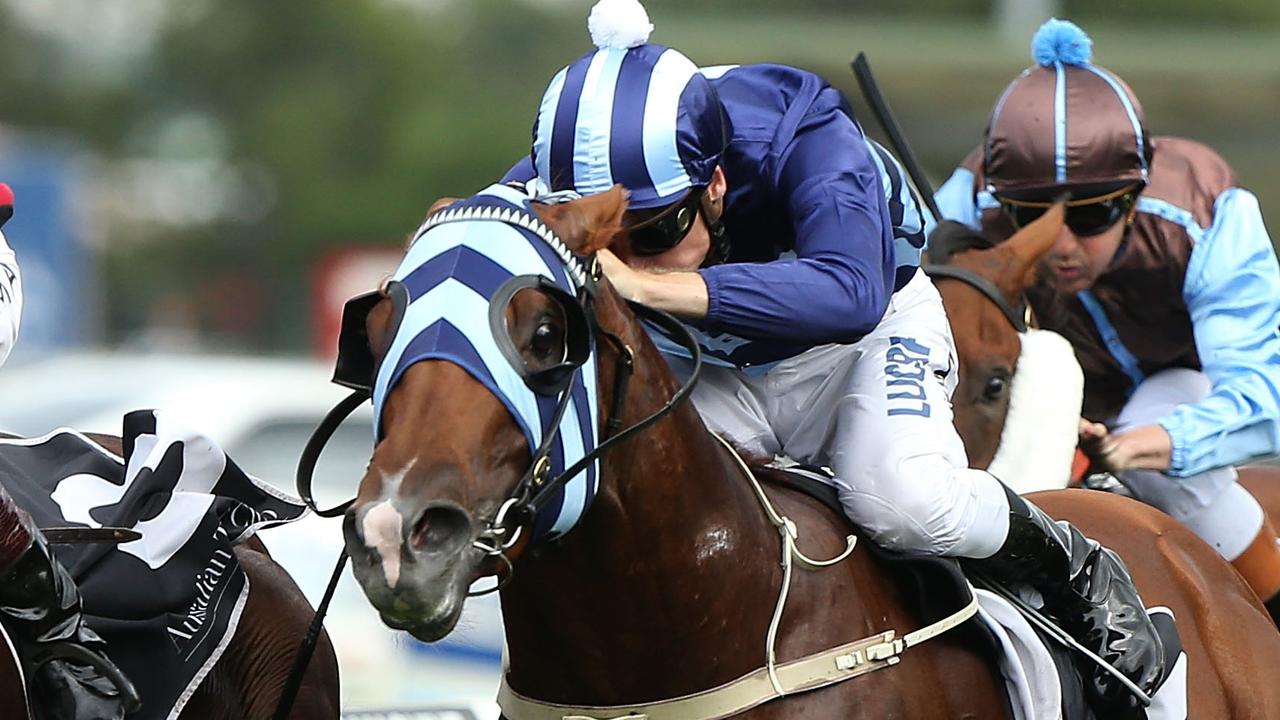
168, 603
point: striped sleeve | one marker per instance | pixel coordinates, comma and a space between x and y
910, 220
955, 199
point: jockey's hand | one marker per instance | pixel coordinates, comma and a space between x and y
1092, 432
681, 293
625, 279
1147, 447
1091, 436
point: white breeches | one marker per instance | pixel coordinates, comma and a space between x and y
1212, 503
878, 412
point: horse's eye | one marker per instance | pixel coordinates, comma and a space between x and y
547, 341
995, 388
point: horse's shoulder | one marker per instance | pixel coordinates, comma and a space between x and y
275, 619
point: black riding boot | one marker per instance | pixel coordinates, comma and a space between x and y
68, 676
1088, 591
1273, 608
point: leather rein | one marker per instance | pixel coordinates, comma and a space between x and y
1015, 314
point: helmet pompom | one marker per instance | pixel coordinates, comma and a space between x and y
1061, 41
619, 24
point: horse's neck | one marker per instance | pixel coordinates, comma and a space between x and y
653, 578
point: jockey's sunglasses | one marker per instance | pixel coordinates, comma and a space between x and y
656, 231
1085, 217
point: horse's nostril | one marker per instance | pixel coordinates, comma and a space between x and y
439, 529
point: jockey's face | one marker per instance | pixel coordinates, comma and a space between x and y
690, 252
1076, 262
1091, 235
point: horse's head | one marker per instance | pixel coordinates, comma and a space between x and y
484, 387
987, 337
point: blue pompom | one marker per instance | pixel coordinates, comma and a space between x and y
1061, 41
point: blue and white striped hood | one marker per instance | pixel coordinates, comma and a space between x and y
459, 259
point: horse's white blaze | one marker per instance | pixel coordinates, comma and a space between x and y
383, 529
391, 483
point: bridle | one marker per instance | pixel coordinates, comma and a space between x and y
1017, 314
947, 246
536, 487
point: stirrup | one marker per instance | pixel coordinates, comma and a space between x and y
79, 654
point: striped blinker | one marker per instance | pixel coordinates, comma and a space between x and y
458, 261
643, 117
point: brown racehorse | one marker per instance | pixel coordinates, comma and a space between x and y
246, 682
1216, 600
668, 584
988, 349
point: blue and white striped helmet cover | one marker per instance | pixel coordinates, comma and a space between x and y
644, 117
451, 272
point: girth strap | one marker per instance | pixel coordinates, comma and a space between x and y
808, 673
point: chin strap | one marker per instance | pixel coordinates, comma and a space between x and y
719, 251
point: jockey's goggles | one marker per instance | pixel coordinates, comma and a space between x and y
657, 231
1085, 217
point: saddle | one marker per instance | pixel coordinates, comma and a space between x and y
936, 586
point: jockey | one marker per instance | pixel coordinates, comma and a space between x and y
1164, 280
762, 216
10, 282
39, 603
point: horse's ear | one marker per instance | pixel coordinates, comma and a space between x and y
440, 204
436, 206
377, 326
1035, 239
587, 224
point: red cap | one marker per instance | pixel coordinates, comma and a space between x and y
6, 203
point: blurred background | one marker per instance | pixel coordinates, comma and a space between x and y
198, 180
204, 173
